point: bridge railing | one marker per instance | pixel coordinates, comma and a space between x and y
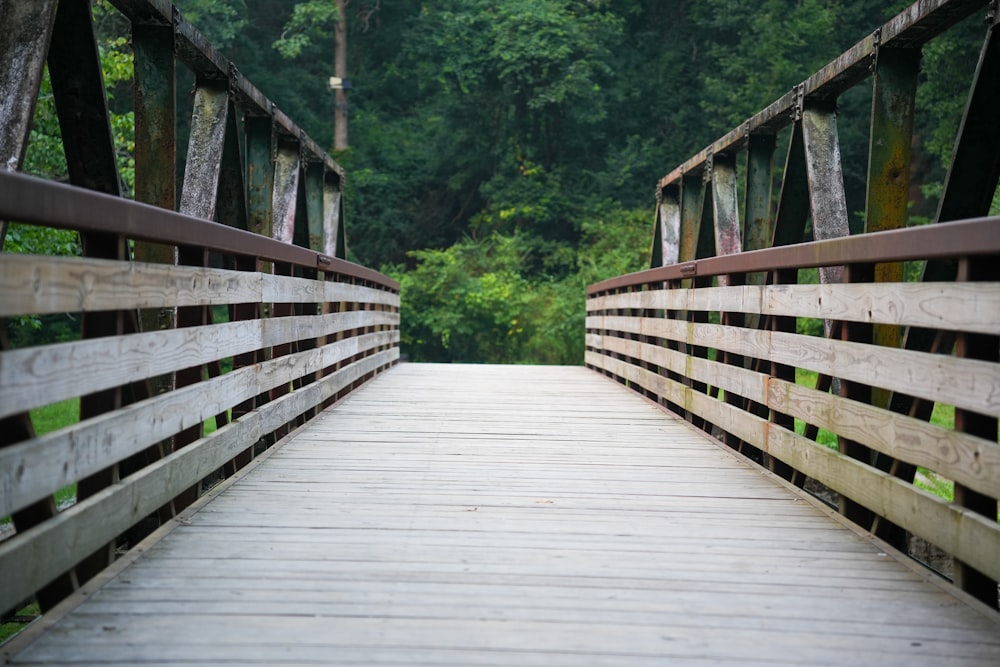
718, 330
206, 334
332, 325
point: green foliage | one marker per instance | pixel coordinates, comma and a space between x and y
479, 301
219, 20
311, 22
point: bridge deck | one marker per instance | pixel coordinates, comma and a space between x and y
485, 515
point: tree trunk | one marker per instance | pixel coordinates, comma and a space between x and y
340, 71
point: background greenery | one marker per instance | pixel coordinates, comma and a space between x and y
504, 152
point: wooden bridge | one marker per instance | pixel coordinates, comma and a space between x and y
670, 501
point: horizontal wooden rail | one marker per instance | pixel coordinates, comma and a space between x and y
726, 355
260, 346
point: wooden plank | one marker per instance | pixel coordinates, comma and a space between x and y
43, 284
36, 468
967, 535
743, 382
965, 383
965, 306
484, 515
972, 461
57, 545
33, 377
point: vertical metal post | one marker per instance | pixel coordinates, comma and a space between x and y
27, 29
827, 199
758, 226
667, 239
334, 243
793, 199
975, 163
206, 148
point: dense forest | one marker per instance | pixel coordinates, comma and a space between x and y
503, 153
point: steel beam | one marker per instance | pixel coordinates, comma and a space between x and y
692, 201
669, 220
286, 188
827, 199
260, 174
758, 225
206, 149
975, 164
27, 29
334, 237
793, 200
231, 206
725, 207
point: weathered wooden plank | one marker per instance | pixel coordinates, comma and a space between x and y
54, 547
33, 377
36, 468
963, 458
964, 306
42, 285
419, 523
967, 535
746, 383
961, 306
965, 383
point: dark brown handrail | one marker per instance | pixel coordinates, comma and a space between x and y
980, 236
37, 201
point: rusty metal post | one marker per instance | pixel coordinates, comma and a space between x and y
894, 90
27, 29
155, 150
667, 237
758, 225
315, 172
827, 199
206, 148
334, 238
725, 207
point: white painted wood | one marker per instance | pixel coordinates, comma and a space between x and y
484, 515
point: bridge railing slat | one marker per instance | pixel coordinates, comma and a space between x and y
335, 331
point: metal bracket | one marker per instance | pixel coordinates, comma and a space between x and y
706, 174
800, 99
876, 45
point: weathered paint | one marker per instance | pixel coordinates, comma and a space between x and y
669, 212
725, 209
27, 29
78, 90
333, 212
758, 225
893, 104
260, 173
314, 204
286, 185
828, 202
206, 148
